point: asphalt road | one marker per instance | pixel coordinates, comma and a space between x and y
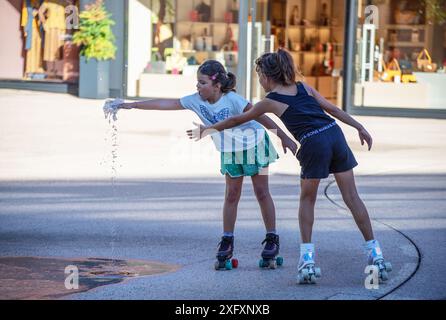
179, 222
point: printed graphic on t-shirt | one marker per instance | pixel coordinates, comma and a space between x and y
214, 118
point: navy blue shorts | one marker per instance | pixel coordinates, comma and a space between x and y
324, 153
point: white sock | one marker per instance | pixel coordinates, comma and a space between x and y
307, 248
372, 244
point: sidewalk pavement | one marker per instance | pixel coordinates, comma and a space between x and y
57, 136
57, 200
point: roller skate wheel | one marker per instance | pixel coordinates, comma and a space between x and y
228, 265
234, 263
272, 264
305, 274
384, 275
217, 265
279, 261
312, 279
261, 263
388, 266
300, 279
317, 272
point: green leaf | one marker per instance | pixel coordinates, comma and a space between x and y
95, 36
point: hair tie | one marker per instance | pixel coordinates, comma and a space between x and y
214, 76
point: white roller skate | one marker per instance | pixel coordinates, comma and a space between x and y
307, 272
375, 258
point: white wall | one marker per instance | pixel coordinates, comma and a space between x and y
11, 43
139, 42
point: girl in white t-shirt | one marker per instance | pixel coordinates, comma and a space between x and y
245, 151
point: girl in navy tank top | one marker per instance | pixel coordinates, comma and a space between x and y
323, 150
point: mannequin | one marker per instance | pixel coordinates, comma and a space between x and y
33, 34
295, 16
52, 15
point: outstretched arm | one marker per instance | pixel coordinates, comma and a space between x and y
341, 115
269, 124
259, 109
155, 104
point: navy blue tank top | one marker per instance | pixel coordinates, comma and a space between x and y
304, 114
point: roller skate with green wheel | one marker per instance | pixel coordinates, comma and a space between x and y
224, 254
270, 258
376, 259
307, 273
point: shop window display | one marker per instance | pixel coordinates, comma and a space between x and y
50, 54
313, 32
185, 34
401, 56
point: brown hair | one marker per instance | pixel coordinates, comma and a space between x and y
279, 67
215, 70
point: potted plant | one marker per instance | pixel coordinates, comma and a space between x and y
97, 46
435, 11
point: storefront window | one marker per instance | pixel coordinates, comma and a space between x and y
49, 52
169, 39
313, 32
401, 54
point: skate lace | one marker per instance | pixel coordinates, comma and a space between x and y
307, 257
375, 255
224, 244
271, 241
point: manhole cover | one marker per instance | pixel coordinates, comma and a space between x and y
45, 278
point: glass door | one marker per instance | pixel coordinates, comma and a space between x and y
260, 40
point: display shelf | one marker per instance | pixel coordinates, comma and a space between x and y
217, 23
313, 27
405, 26
312, 23
407, 44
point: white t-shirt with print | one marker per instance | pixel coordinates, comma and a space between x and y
242, 137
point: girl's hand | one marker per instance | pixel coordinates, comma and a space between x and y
196, 133
290, 144
365, 136
111, 108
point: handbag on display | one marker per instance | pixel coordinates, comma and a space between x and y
424, 62
204, 12
391, 70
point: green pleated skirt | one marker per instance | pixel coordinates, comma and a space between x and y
249, 162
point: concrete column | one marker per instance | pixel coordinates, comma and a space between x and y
242, 48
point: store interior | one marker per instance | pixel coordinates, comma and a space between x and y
313, 32
40, 47
184, 34
398, 64
401, 54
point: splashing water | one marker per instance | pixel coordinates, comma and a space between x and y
110, 113
111, 138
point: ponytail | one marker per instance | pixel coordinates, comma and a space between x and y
215, 70
230, 83
286, 65
279, 67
